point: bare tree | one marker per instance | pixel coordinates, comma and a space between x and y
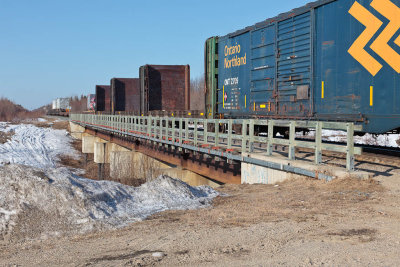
197, 100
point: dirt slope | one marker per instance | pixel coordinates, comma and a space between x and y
300, 223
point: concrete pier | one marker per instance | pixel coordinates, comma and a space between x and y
135, 165
76, 131
254, 174
112, 147
100, 152
131, 164
88, 144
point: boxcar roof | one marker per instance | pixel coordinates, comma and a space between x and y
280, 17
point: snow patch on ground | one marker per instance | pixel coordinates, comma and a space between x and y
389, 140
38, 204
34, 146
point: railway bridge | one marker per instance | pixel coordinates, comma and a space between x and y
211, 148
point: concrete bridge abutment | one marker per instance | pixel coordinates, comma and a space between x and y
256, 174
76, 130
134, 165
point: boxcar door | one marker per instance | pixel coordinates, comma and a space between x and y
294, 66
263, 63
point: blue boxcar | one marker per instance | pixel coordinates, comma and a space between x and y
329, 60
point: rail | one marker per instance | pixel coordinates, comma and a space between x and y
231, 139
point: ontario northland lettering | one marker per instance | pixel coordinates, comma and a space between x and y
232, 58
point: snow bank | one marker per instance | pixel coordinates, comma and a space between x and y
34, 146
37, 204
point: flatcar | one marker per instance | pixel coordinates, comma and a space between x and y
103, 98
125, 95
160, 90
164, 88
331, 60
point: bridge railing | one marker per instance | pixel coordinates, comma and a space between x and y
228, 138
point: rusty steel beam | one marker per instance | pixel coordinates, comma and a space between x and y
216, 170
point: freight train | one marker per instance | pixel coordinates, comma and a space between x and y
63, 106
60, 107
331, 60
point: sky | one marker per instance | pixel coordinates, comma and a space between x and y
63, 48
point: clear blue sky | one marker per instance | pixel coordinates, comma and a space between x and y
55, 48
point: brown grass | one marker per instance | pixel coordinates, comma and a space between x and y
130, 181
60, 125
51, 123
362, 235
42, 124
5, 137
298, 200
90, 168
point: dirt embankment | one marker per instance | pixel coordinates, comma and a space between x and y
297, 223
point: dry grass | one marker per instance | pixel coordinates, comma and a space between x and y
60, 125
298, 200
362, 235
57, 125
130, 181
42, 124
90, 168
5, 137
71, 162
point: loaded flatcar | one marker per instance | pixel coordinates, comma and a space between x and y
103, 98
164, 88
159, 90
331, 60
125, 95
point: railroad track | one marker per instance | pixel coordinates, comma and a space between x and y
389, 156
371, 153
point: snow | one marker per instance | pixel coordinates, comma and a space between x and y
63, 202
34, 146
388, 140
39, 199
41, 120
199, 126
